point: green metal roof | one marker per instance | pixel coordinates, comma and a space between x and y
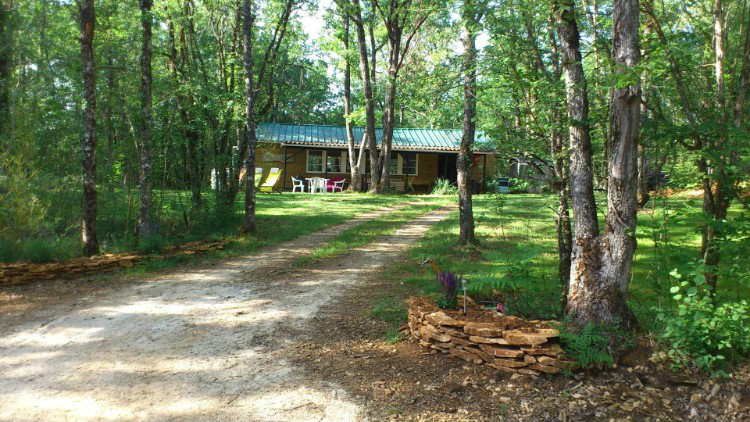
335, 136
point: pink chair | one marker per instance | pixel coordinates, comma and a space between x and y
335, 183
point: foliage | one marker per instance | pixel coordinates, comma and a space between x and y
151, 245
39, 251
444, 187
392, 314
590, 345
702, 333
449, 285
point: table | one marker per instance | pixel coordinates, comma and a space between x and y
318, 183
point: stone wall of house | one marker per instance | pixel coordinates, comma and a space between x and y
507, 343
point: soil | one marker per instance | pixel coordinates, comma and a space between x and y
403, 381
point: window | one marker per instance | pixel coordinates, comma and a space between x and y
314, 161
394, 164
333, 163
409, 163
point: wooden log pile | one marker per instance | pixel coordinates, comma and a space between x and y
11, 274
507, 343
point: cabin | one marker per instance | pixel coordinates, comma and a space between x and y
419, 156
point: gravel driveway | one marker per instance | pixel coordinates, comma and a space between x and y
208, 344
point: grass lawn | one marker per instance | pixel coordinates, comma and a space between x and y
279, 218
517, 261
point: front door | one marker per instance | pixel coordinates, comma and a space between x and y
447, 167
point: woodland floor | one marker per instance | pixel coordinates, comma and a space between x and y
264, 337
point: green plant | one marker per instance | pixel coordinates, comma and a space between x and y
444, 187
392, 314
8, 250
151, 245
39, 251
591, 345
702, 333
449, 284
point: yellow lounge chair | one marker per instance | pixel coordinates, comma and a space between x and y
258, 176
269, 186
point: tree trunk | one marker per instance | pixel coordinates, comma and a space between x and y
248, 20
354, 159
144, 218
364, 71
463, 164
394, 48
716, 185
600, 264
6, 66
88, 228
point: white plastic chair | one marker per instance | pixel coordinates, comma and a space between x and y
298, 183
339, 184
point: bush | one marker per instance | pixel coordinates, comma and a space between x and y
589, 346
151, 245
39, 251
9, 251
444, 187
701, 333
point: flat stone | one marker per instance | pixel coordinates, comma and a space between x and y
501, 352
527, 371
544, 368
455, 333
429, 332
425, 343
484, 356
483, 329
440, 318
546, 360
438, 346
548, 332
463, 354
520, 338
553, 350
461, 342
488, 340
530, 359
509, 363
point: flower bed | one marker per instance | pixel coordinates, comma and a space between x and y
507, 343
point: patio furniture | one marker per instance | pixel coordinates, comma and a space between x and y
298, 183
269, 186
258, 176
317, 184
336, 183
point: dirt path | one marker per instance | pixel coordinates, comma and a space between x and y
210, 344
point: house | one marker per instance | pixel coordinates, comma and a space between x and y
418, 157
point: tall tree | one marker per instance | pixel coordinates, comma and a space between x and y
355, 157
248, 21
6, 64
354, 10
471, 15
144, 218
87, 20
601, 263
707, 128
397, 16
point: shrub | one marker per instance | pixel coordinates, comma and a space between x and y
589, 346
151, 245
449, 288
39, 251
702, 333
444, 187
9, 251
